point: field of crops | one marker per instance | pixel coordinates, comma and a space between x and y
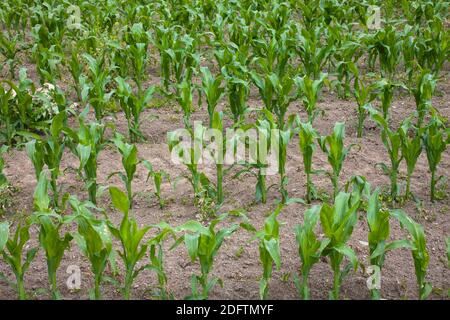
200, 149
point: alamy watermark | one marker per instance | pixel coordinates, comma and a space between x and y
207, 146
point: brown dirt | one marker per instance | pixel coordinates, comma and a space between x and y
241, 274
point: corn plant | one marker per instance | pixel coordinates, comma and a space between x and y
364, 95
157, 177
202, 244
333, 146
379, 229
93, 239
436, 137
238, 91
309, 93
130, 237
392, 142
312, 53
7, 116
432, 46
346, 56
190, 157
133, 105
309, 248
260, 154
385, 45
276, 94
423, 92
307, 136
129, 162
48, 61
3, 179
10, 46
212, 89
18, 112
54, 246
178, 56
48, 150
138, 56
12, 250
337, 222
411, 146
50, 224
217, 124
184, 99
98, 81
269, 249
76, 70
387, 89
419, 251
86, 144
157, 260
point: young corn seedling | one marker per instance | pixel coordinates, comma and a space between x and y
260, 154
19, 110
48, 61
98, 81
385, 45
12, 250
156, 264
50, 224
10, 46
279, 143
333, 147
411, 146
307, 136
309, 248
379, 229
202, 244
86, 144
418, 249
48, 150
190, 157
426, 85
7, 116
133, 105
436, 137
184, 99
94, 240
157, 177
217, 124
309, 91
269, 249
387, 89
346, 56
129, 162
130, 237
276, 94
238, 91
178, 55
313, 54
138, 57
337, 223
157, 260
392, 142
364, 95
212, 89
3, 180
76, 70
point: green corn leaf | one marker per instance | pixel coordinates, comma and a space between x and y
119, 199
4, 234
